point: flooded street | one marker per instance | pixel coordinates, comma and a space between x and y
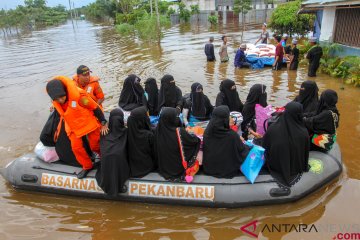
26, 64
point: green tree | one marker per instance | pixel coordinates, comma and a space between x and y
195, 10
184, 13
285, 19
243, 7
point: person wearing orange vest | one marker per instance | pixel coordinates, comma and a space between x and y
89, 83
82, 116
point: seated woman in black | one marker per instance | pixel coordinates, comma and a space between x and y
257, 95
140, 143
170, 95
198, 106
152, 93
308, 96
132, 95
114, 169
326, 118
224, 152
167, 145
229, 96
286, 144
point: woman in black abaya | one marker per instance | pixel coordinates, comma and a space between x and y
224, 152
308, 96
326, 118
140, 143
152, 91
287, 146
198, 106
170, 95
132, 95
114, 169
257, 95
167, 145
229, 96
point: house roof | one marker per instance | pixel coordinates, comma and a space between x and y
323, 3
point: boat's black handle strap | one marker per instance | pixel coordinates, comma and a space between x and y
52, 170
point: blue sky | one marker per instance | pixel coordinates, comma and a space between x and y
7, 4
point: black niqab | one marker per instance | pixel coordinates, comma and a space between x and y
223, 150
140, 143
170, 95
167, 146
114, 169
287, 145
198, 108
308, 96
232, 99
257, 95
152, 91
132, 93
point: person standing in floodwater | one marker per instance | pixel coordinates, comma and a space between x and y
264, 35
209, 50
279, 54
224, 57
314, 55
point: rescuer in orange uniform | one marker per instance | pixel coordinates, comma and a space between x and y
82, 116
89, 83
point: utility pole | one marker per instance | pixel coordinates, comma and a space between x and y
72, 20
157, 20
151, 8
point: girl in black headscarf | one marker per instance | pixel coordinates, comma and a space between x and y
286, 144
170, 95
167, 145
152, 92
257, 95
229, 96
140, 143
132, 95
198, 105
308, 96
326, 118
223, 150
114, 169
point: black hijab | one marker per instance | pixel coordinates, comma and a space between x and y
132, 93
308, 96
257, 95
287, 145
114, 169
232, 100
170, 95
323, 121
167, 146
223, 150
198, 108
140, 143
152, 90
55, 88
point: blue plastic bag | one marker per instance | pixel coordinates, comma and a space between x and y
253, 162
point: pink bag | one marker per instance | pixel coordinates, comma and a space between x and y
47, 154
261, 114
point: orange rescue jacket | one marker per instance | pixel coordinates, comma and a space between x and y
78, 119
93, 88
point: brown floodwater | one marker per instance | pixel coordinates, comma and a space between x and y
26, 64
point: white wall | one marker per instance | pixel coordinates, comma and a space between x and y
204, 5
327, 24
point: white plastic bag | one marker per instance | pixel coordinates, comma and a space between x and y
47, 154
